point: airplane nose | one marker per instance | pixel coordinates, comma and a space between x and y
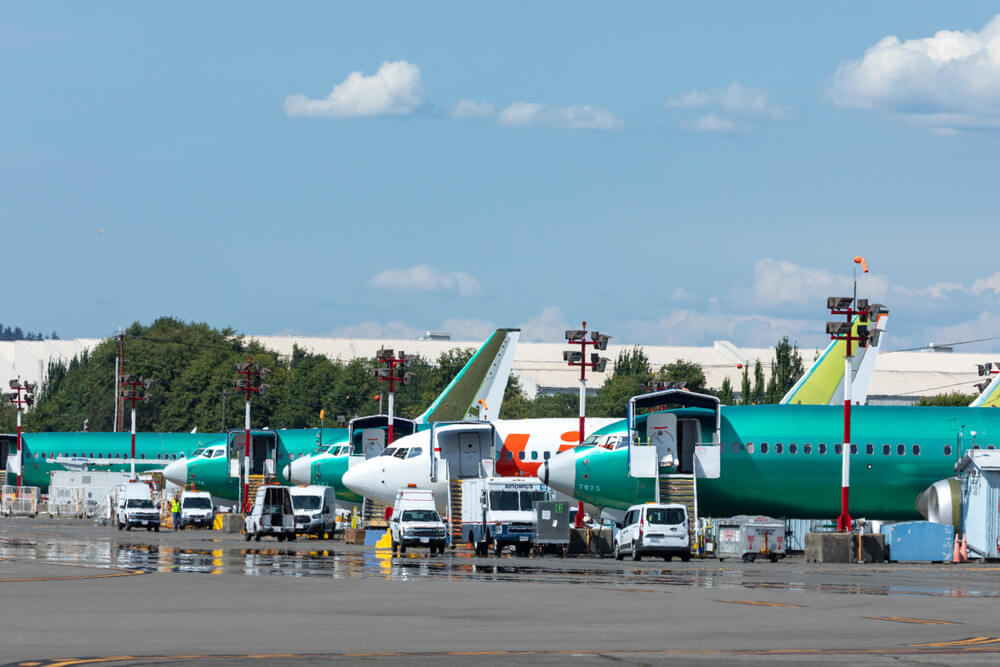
298, 471
177, 472
560, 473
361, 480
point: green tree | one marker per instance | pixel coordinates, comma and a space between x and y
954, 399
759, 386
685, 373
746, 393
786, 369
726, 392
630, 375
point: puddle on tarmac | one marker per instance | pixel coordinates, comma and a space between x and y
371, 564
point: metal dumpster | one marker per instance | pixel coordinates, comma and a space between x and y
551, 527
749, 537
919, 541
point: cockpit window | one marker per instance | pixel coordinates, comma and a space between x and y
414, 452
590, 440
198, 452
401, 452
388, 451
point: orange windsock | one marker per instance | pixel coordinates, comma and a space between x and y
858, 259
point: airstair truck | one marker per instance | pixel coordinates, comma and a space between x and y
499, 512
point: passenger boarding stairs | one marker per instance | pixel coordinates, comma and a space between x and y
3, 478
683, 490
373, 514
253, 483
455, 511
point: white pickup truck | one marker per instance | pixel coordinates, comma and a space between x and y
135, 508
197, 509
416, 523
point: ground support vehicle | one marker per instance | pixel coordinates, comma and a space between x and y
271, 514
552, 525
135, 508
315, 509
197, 510
749, 537
499, 512
415, 522
654, 529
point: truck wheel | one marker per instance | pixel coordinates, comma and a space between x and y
667, 558
156, 528
685, 557
121, 525
618, 552
497, 547
774, 558
402, 548
256, 537
395, 548
128, 527
636, 554
281, 538
291, 538
748, 558
247, 536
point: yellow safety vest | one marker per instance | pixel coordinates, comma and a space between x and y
175, 506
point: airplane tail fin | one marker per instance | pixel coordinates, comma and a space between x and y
823, 383
483, 378
990, 398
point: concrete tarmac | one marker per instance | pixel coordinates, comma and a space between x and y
72, 592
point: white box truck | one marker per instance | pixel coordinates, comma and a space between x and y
499, 512
315, 509
135, 508
415, 522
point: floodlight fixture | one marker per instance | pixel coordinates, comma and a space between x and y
384, 354
838, 302
13, 384
572, 357
263, 389
12, 395
861, 304
838, 328
407, 378
242, 367
601, 340
240, 384
600, 365
575, 335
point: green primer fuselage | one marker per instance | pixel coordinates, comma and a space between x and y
800, 485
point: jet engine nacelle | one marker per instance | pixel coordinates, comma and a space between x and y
941, 502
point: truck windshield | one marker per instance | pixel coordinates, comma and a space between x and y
529, 498
420, 515
670, 516
503, 501
140, 503
306, 502
197, 503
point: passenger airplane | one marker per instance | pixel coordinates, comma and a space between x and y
482, 381
785, 460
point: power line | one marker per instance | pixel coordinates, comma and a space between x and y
946, 386
929, 347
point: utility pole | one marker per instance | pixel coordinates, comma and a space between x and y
119, 369
597, 362
849, 307
250, 383
393, 372
28, 389
225, 393
137, 390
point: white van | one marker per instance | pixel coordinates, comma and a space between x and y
415, 522
135, 508
196, 509
315, 509
271, 514
654, 530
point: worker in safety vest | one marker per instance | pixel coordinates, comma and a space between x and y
175, 511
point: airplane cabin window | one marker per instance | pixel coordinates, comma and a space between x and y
990, 447
869, 449
793, 448
886, 450
547, 455
749, 448
822, 448
534, 456
807, 448
763, 448
520, 455
854, 449
915, 450
510, 455
901, 450
778, 448
947, 450
838, 448
736, 448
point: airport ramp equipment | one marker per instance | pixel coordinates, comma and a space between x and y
19, 500
919, 541
552, 526
749, 537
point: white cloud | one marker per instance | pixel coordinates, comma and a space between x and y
735, 99
472, 109
468, 329
779, 282
423, 278
547, 326
984, 326
394, 89
710, 123
585, 117
950, 80
681, 294
987, 284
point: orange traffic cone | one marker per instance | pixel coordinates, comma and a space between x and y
963, 551
955, 554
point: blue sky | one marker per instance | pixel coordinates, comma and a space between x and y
672, 174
